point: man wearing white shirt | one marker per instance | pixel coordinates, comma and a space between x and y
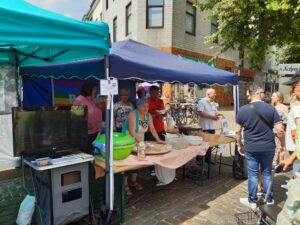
208, 113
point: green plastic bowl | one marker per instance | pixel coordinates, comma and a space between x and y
123, 145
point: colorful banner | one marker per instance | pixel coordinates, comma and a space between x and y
65, 91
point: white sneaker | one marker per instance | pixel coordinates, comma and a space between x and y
160, 184
245, 202
259, 193
153, 173
271, 203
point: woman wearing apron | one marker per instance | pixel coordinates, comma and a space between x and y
139, 121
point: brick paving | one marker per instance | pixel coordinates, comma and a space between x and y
11, 194
188, 201
185, 201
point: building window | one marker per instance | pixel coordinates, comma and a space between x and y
115, 29
190, 22
107, 4
214, 27
128, 19
155, 14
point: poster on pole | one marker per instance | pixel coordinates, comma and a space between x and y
109, 87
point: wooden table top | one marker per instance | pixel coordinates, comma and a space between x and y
99, 162
213, 139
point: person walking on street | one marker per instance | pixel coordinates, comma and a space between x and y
293, 126
257, 120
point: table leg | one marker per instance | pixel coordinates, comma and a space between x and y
209, 162
202, 166
208, 169
183, 172
122, 197
220, 163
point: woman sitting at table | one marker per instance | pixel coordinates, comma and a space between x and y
139, 121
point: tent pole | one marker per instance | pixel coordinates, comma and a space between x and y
111, 161
17, 80
236, 99
109, 176
52, 91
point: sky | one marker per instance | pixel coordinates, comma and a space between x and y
72, 8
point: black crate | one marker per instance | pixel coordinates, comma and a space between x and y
252, 218
247, 218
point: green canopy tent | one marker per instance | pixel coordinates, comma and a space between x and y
34, 36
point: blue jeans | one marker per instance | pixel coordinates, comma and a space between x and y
254, 160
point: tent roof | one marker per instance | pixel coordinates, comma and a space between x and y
132, 60
38, 36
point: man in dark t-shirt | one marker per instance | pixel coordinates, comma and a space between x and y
259, 141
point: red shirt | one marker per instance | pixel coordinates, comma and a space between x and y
157, 121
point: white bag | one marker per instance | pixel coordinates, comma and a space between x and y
170, 122
164, 175
26, 210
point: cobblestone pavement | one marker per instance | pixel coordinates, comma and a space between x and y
185, 201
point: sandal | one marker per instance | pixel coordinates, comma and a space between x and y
128, 191
136, 185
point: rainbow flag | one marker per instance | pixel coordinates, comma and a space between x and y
66, 90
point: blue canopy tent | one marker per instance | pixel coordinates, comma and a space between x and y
133, 60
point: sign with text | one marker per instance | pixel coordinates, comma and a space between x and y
291, 68
108, 87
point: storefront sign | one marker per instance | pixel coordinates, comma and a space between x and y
292, 68
108, 87
209, 62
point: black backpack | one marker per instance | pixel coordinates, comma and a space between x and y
239, 167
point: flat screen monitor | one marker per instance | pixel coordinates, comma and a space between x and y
48, 131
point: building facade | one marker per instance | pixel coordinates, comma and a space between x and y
174, 26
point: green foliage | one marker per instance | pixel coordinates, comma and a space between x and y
254, 25
289, 54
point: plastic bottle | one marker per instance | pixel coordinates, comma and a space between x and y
141, 151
